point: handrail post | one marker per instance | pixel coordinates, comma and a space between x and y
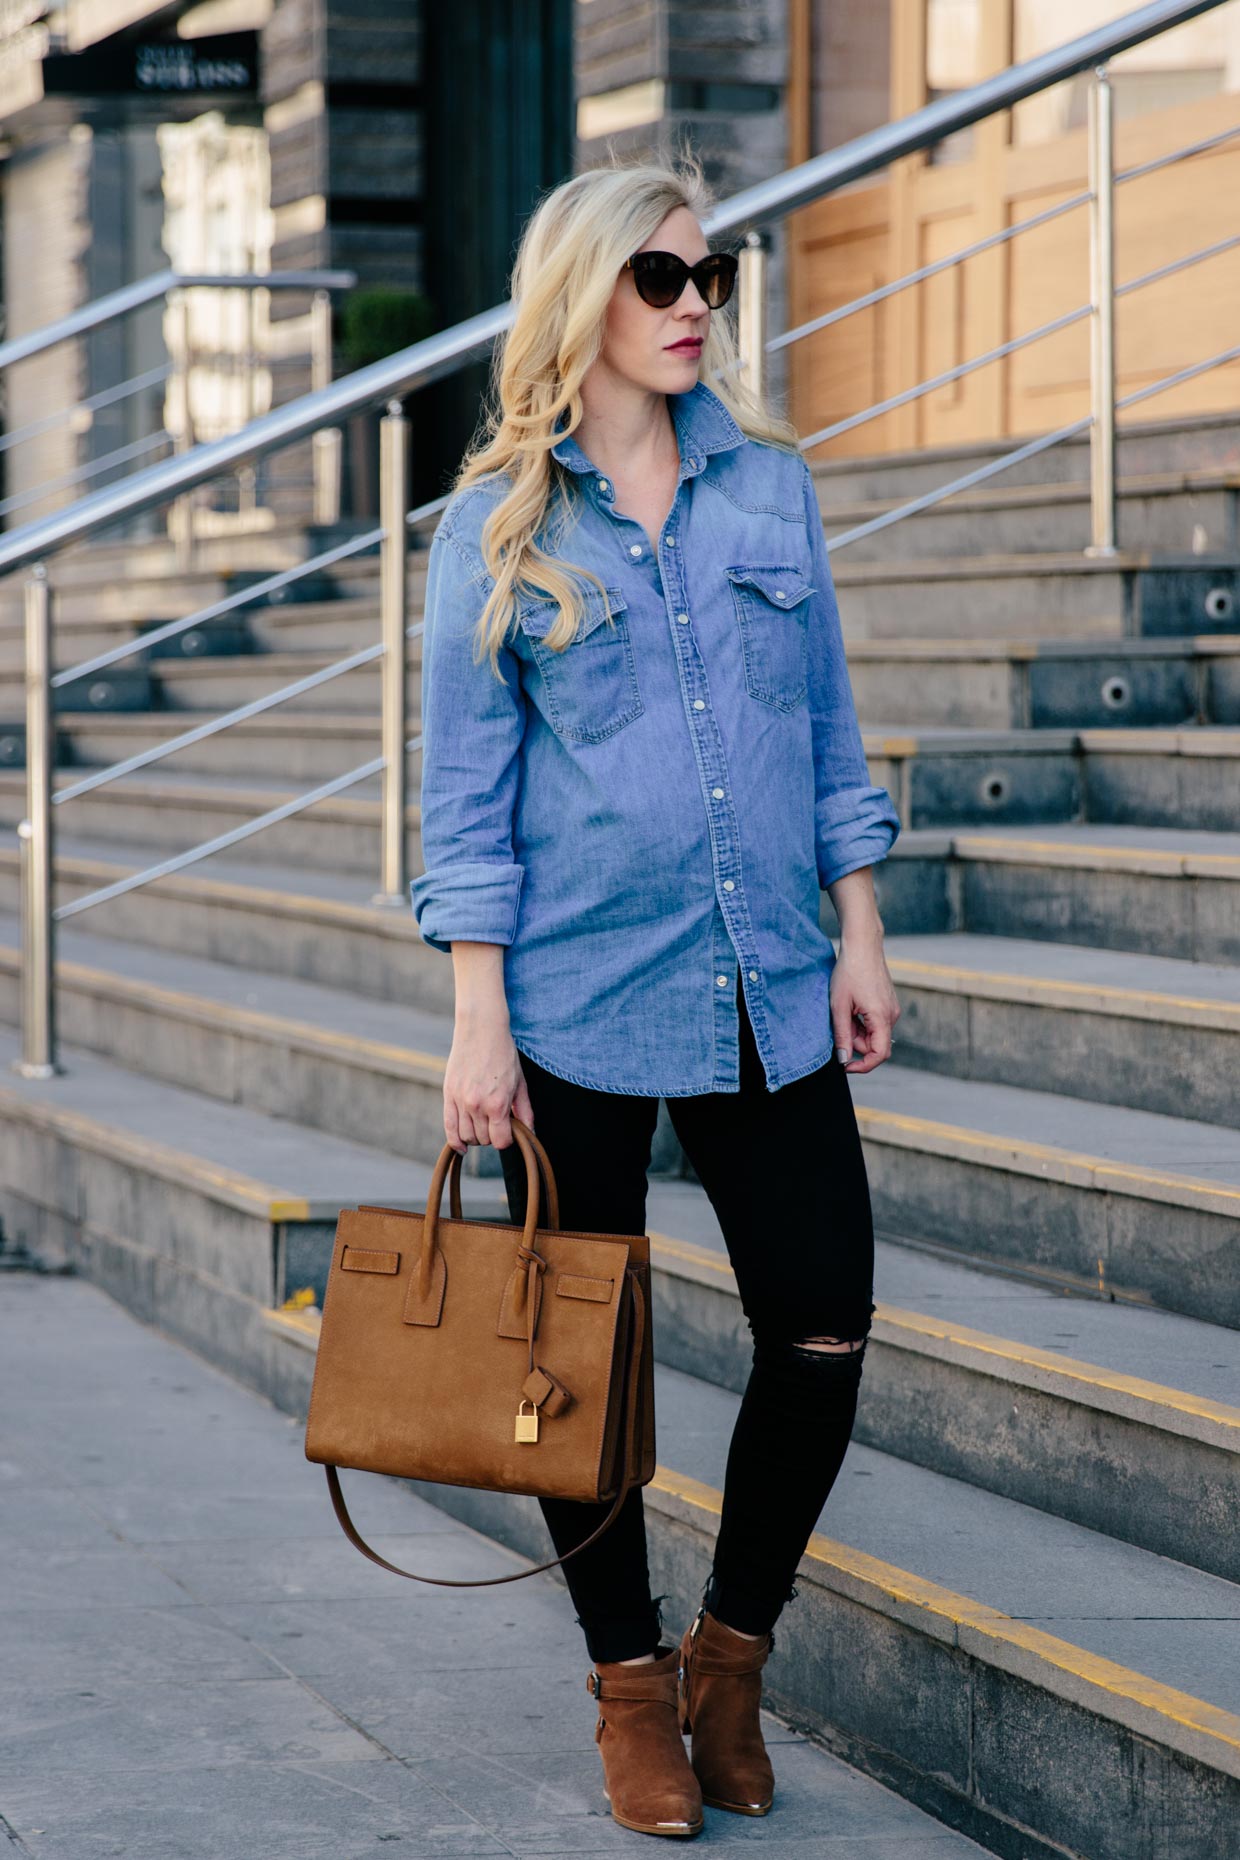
35, 834
751, 313
181, 516
1102, 320
326, 446
394, 619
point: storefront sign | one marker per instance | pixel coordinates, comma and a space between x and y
222, 65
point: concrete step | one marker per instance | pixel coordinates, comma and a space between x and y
946, 777
1046, 684
240, 1203
1201, 442
943, 1393
212, 685
315, 926
1166, 890
299, 741
953, 684
1157, 891
1184, 510
1153, 1032
92, 591
1139, 1204
936, 776
969, 1650
167, 814
1135, 593
329, 628
1123, 1418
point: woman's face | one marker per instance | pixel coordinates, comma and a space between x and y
659, 349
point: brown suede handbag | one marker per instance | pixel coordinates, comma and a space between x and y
471, 1353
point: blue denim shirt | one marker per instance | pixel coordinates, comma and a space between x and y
639, 816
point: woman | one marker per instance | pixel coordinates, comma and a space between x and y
631, 801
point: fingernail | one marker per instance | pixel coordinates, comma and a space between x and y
843, 1055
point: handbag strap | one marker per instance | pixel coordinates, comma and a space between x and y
637, 1337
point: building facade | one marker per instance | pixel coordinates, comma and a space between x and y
406, 143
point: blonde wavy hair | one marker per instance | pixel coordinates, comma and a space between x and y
571, 252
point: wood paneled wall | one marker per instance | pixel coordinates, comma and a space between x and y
866, 236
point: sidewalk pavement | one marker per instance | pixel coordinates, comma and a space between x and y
196, 1664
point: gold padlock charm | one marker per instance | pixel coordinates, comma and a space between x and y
527, 1424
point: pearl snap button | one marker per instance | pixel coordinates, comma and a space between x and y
753, 975
728, 885
636, 549
699, 703
602, 484
671, 542
780, 595
683, 619
722, 980
718, 793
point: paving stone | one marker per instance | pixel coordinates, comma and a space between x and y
199, 1666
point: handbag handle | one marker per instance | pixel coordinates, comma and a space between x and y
520, 1129
637, 1337
536, 1158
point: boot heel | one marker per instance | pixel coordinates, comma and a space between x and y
649, 1781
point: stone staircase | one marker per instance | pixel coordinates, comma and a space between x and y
1023, 1608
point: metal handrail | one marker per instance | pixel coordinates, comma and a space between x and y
879, 295
106, 397
1030, 449
227, 603
438, 355
422, 362
285, 811
132, 297
81, 474
782, 194
1013, 344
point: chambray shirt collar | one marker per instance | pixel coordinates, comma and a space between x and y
703, 426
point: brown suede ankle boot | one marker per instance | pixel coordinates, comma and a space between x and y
720, 1693
649, 1780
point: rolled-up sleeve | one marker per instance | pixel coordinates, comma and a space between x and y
855, 823
472, 728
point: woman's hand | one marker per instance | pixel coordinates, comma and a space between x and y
863, 1005
483, 1083
864, 1008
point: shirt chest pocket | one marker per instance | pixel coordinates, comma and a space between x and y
591, 686
772, 612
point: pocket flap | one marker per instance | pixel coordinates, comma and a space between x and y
365, 1259
538, 617
782, 587
576, 1285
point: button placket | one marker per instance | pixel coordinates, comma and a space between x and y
734, 929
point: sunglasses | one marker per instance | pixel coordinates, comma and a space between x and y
660, 277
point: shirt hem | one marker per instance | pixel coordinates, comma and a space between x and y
669, 1091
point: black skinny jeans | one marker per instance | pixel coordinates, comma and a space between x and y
785, 1174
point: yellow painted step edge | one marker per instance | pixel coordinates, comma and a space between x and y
895, 1325
171, 1165
1146, 860
960, 1614
964, 1617
1087, 997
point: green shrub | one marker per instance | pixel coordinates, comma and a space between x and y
378, 319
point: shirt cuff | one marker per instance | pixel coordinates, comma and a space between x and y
467, 904
856, 827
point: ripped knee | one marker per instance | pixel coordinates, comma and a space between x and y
830, 1343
